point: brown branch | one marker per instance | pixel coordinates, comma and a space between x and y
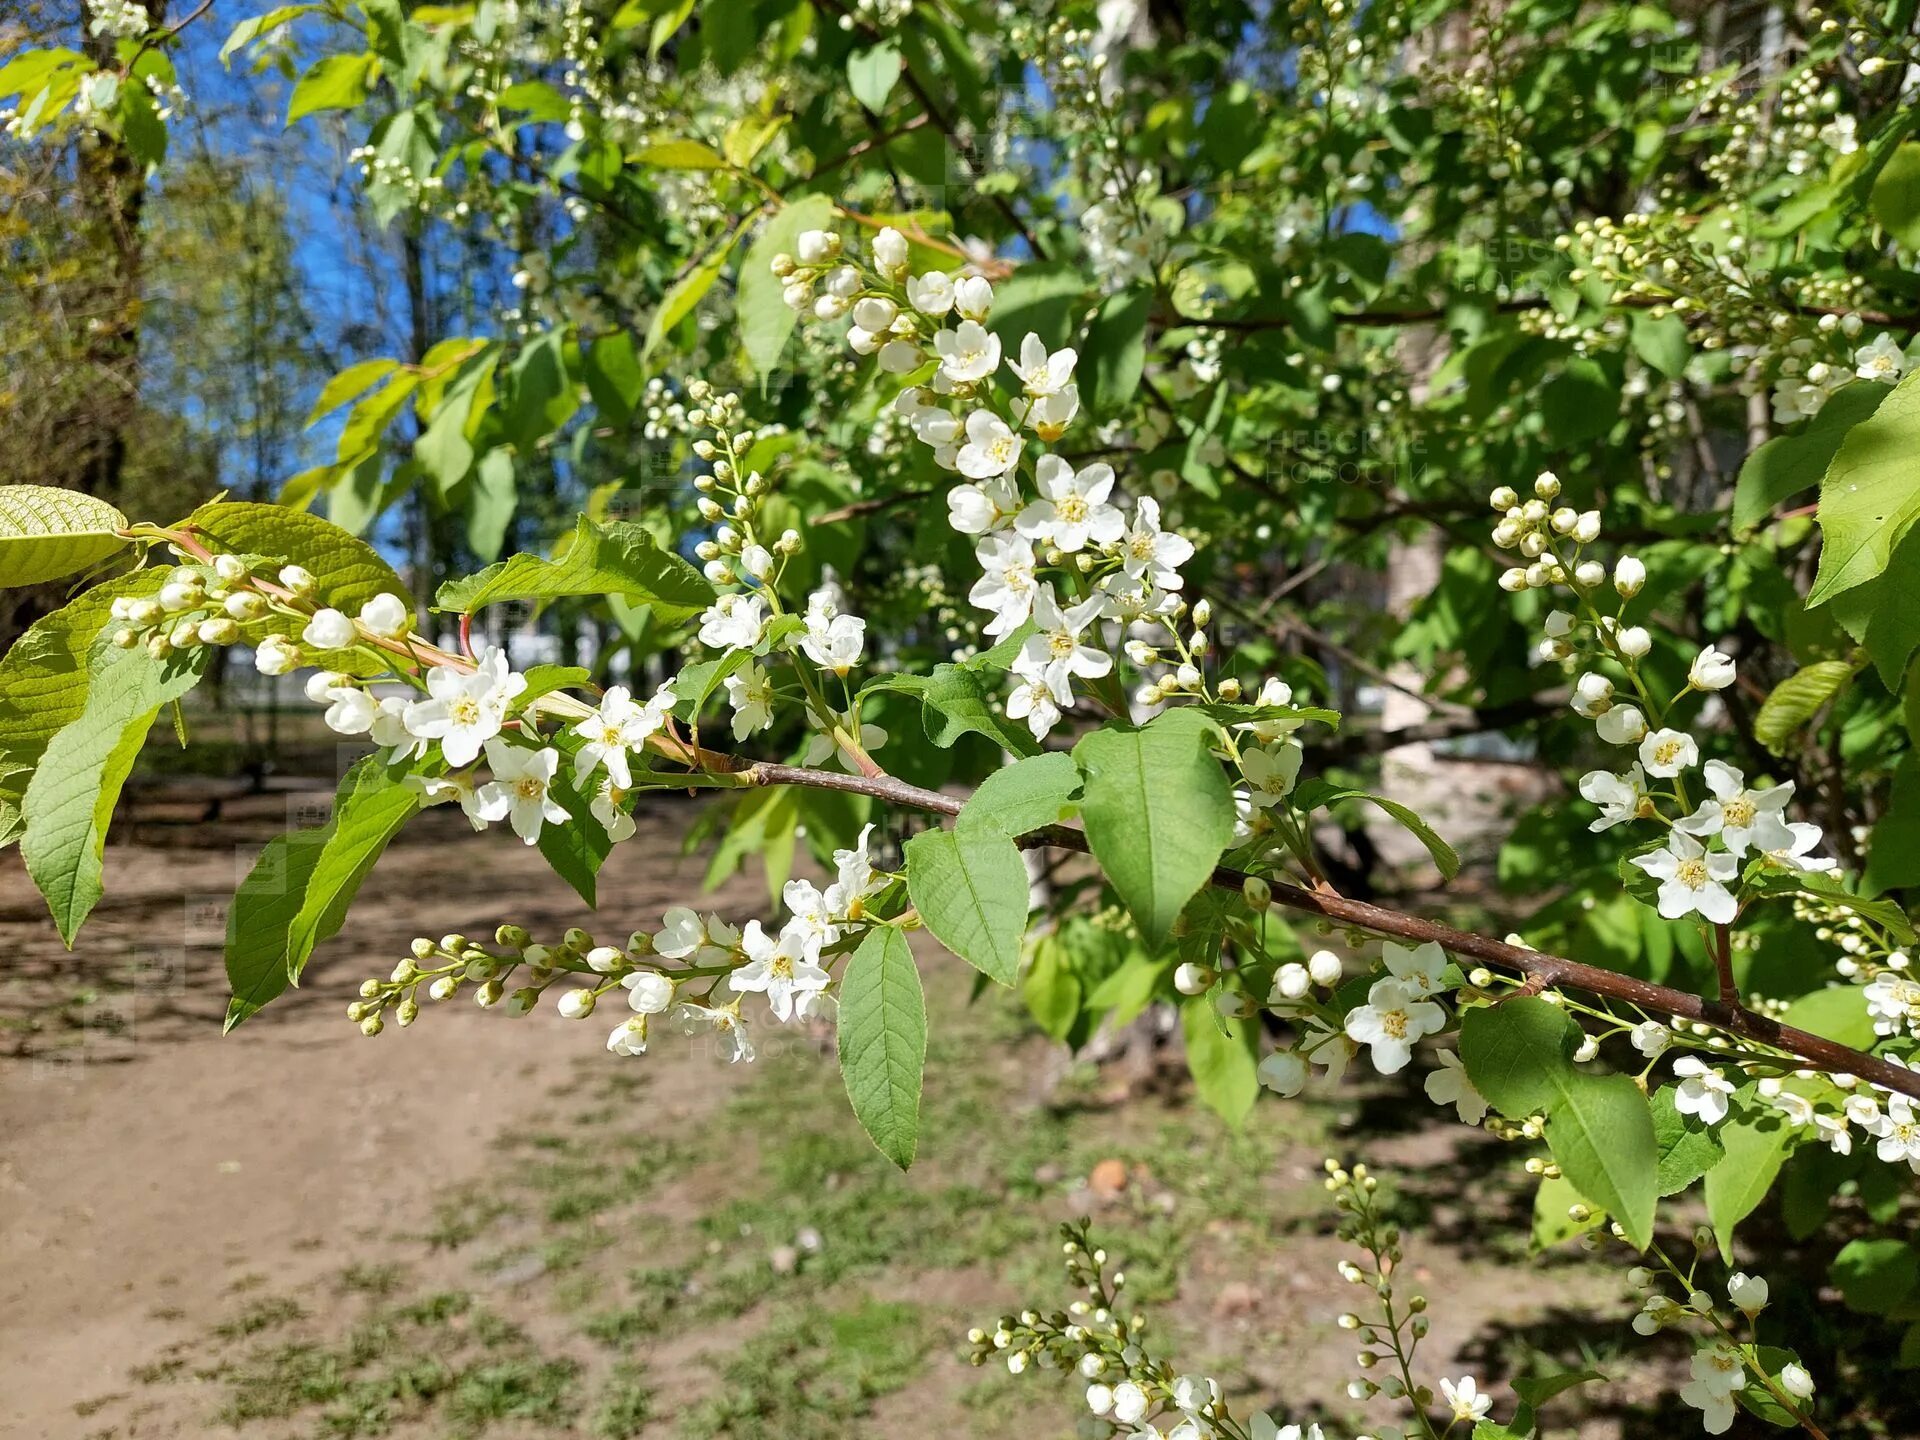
1555, 970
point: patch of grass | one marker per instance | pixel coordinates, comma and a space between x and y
464, 1217
377, 1281
267, 1313
810, 1374
626, 1405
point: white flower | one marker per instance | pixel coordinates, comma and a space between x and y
1393, 1018
856, 881
734, 620
328, 630
973, 298
390, 733
991, 448
1797, 1108
1893, 1001
1039, 372
1074, 509
1747, 1292
1897, 1132
1743, 819
1463, 1397
1283, 1072
931, 294
890, 249
981, 508
352, 710
1801, 838
728, 1028
1592, 695
1702, 1091
1129, 1403
1618, 796
1324, 968
1049, 415
1449, 1085
969, 352
1711, 670
1650, 1038
1275, 693
1833, 1129
1795, 1380
899, 357
1665, 753
465, 709
1692, 881
834, 643
609, 808
780, 968
1035, 700
817, 247
1881, 359
1838, 135
1153, 554
1622, 725
606, 737
1099, 1398
1417, 966
750, 693
1056, 645
386, 616
1270, 772
1717, 1410
438, 790
1007, 587
521, 788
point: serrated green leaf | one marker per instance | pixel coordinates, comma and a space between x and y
1756, 1149
1221, 1056
1519, 1054
257, 920
620, 558
1688, 1147
47, 533
369, 809
1871, 494
1788, 464
1027, 795
350, 572
44, 677
70, 800
765, 319
1158, 813
576, 851
883, 1042
971, 889
1797, 699
1839, 1012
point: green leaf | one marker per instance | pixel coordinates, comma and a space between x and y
1519, 1054
1116, 351
1221, 1055
1158, 813
1839, 1013
70, 799
1756, 1149
576, 851
1553, 1222
47, 533
1797, 699
44, 678
765, 318
619, 558
1027, 795
1044, 298
872, 74
257, 920
541, 397
369, 809
971, 888
1788, 464
350, 572
1871, 494
255, 26
334, 82
350, 384
679, 155
958, 700
883, 1042
686, 293
1896, 196
1051, 988
1688, 1147
1661, 343
491, 502
1876, 1276
1313, 794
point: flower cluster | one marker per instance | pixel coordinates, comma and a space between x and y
1134, 1395
695, 970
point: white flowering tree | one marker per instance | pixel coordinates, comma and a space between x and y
966, 410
